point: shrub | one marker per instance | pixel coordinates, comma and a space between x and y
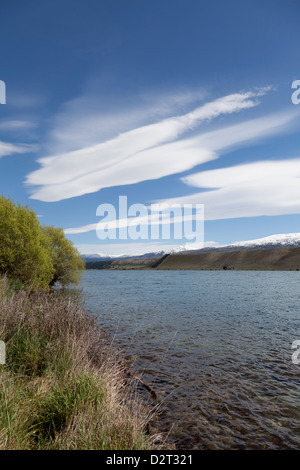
63, 386
25, 250
34, 255
67, 261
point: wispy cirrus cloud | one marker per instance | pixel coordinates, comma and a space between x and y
16, 125
230, 187
158, 216
92, 118
263, 188
143, 153
7, 148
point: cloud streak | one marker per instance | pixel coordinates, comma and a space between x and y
264, 188
7, 148
16, 125
148, 152
153, 218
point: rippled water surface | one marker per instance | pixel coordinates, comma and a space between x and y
215, 346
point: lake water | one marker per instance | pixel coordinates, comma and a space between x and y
214, 345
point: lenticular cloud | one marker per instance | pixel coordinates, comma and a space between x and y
148, 152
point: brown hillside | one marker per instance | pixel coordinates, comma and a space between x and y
280, 259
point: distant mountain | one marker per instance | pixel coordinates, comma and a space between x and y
285, 258
102, 257
287, 240
273, 241
99, 257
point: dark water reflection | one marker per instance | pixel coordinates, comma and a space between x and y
216, 346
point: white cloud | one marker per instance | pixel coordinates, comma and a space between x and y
144, 153
9, 149
16, 125
154, 217
228, 181
92, 118
136, 249
226, 138
264, 188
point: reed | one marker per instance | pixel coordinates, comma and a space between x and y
62, 386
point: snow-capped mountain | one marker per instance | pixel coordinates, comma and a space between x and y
273, 241
101, 257
280, 240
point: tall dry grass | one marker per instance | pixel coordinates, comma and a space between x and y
62, 387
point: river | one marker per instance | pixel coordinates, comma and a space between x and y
214, 345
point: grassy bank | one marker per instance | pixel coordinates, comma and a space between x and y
61, 386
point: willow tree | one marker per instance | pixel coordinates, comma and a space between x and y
35, 255
67, 261
25, 249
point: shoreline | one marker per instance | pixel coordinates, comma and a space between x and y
63, 386
269, 259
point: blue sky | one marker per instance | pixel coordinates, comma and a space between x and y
171, 101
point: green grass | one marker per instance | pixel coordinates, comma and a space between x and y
62, 387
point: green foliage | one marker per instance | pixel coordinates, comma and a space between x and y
27, 352
61, 387
34, 255
25, 250
64, 400
67, 261
14, 285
